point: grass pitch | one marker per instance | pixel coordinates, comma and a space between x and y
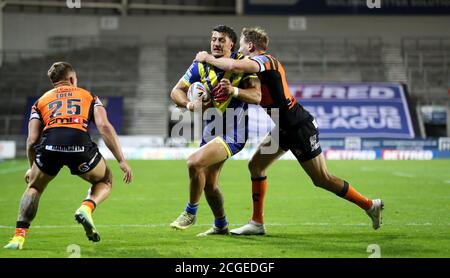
302, 220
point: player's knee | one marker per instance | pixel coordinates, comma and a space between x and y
32, 189
251, 165
255, 169
193, 164
209, 189
108, 180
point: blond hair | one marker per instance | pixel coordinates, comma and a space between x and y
256, 35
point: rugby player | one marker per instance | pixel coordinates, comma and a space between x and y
58, 136
230, 94
297, 131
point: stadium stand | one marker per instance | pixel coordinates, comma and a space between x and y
427, 61
306, 59
330, 59
102, 68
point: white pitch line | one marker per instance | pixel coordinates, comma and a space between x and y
12, 170
207, 225
402, 174
367, 169
447, 181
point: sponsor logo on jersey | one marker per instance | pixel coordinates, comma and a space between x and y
65, 149
68, 121
314, 143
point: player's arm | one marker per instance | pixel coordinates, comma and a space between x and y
179, 95
229, 64
111, 139
34, 134
179, 92
250, 91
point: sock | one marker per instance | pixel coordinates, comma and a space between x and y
90, 204
350, 194
192, 209
22, 228
221, 222
259, 187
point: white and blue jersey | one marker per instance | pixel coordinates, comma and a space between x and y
234, 129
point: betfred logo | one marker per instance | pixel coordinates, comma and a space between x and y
406, 155
350, 155
343, 92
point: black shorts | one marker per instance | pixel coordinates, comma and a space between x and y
302, 140
80, 159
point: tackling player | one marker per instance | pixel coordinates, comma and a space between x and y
217, 146
58, 136
297, 131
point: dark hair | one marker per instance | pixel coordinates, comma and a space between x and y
229, 32
59, 71
257, 36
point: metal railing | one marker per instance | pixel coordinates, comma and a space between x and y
423, 43
125, 7
68, 43
421, 59
23, 74
427, 60
9, 121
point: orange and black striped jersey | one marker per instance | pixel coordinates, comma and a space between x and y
65, 110
275, 91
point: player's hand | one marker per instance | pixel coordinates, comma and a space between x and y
128, 176
195, 105
206, 104
226, 85
28, 175
201, 56
219, 94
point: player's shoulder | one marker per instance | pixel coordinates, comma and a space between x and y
194, 65
194, 68
84, 93
48, 93
46, 96
238, 56
263, 56
270, 56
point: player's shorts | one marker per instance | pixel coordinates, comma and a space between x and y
302, 140
80, 159
232, 131
230, 145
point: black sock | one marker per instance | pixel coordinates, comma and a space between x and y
22, 225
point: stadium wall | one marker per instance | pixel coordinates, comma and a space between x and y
25, 31
330, 154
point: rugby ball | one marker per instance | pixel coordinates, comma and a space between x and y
198, 91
